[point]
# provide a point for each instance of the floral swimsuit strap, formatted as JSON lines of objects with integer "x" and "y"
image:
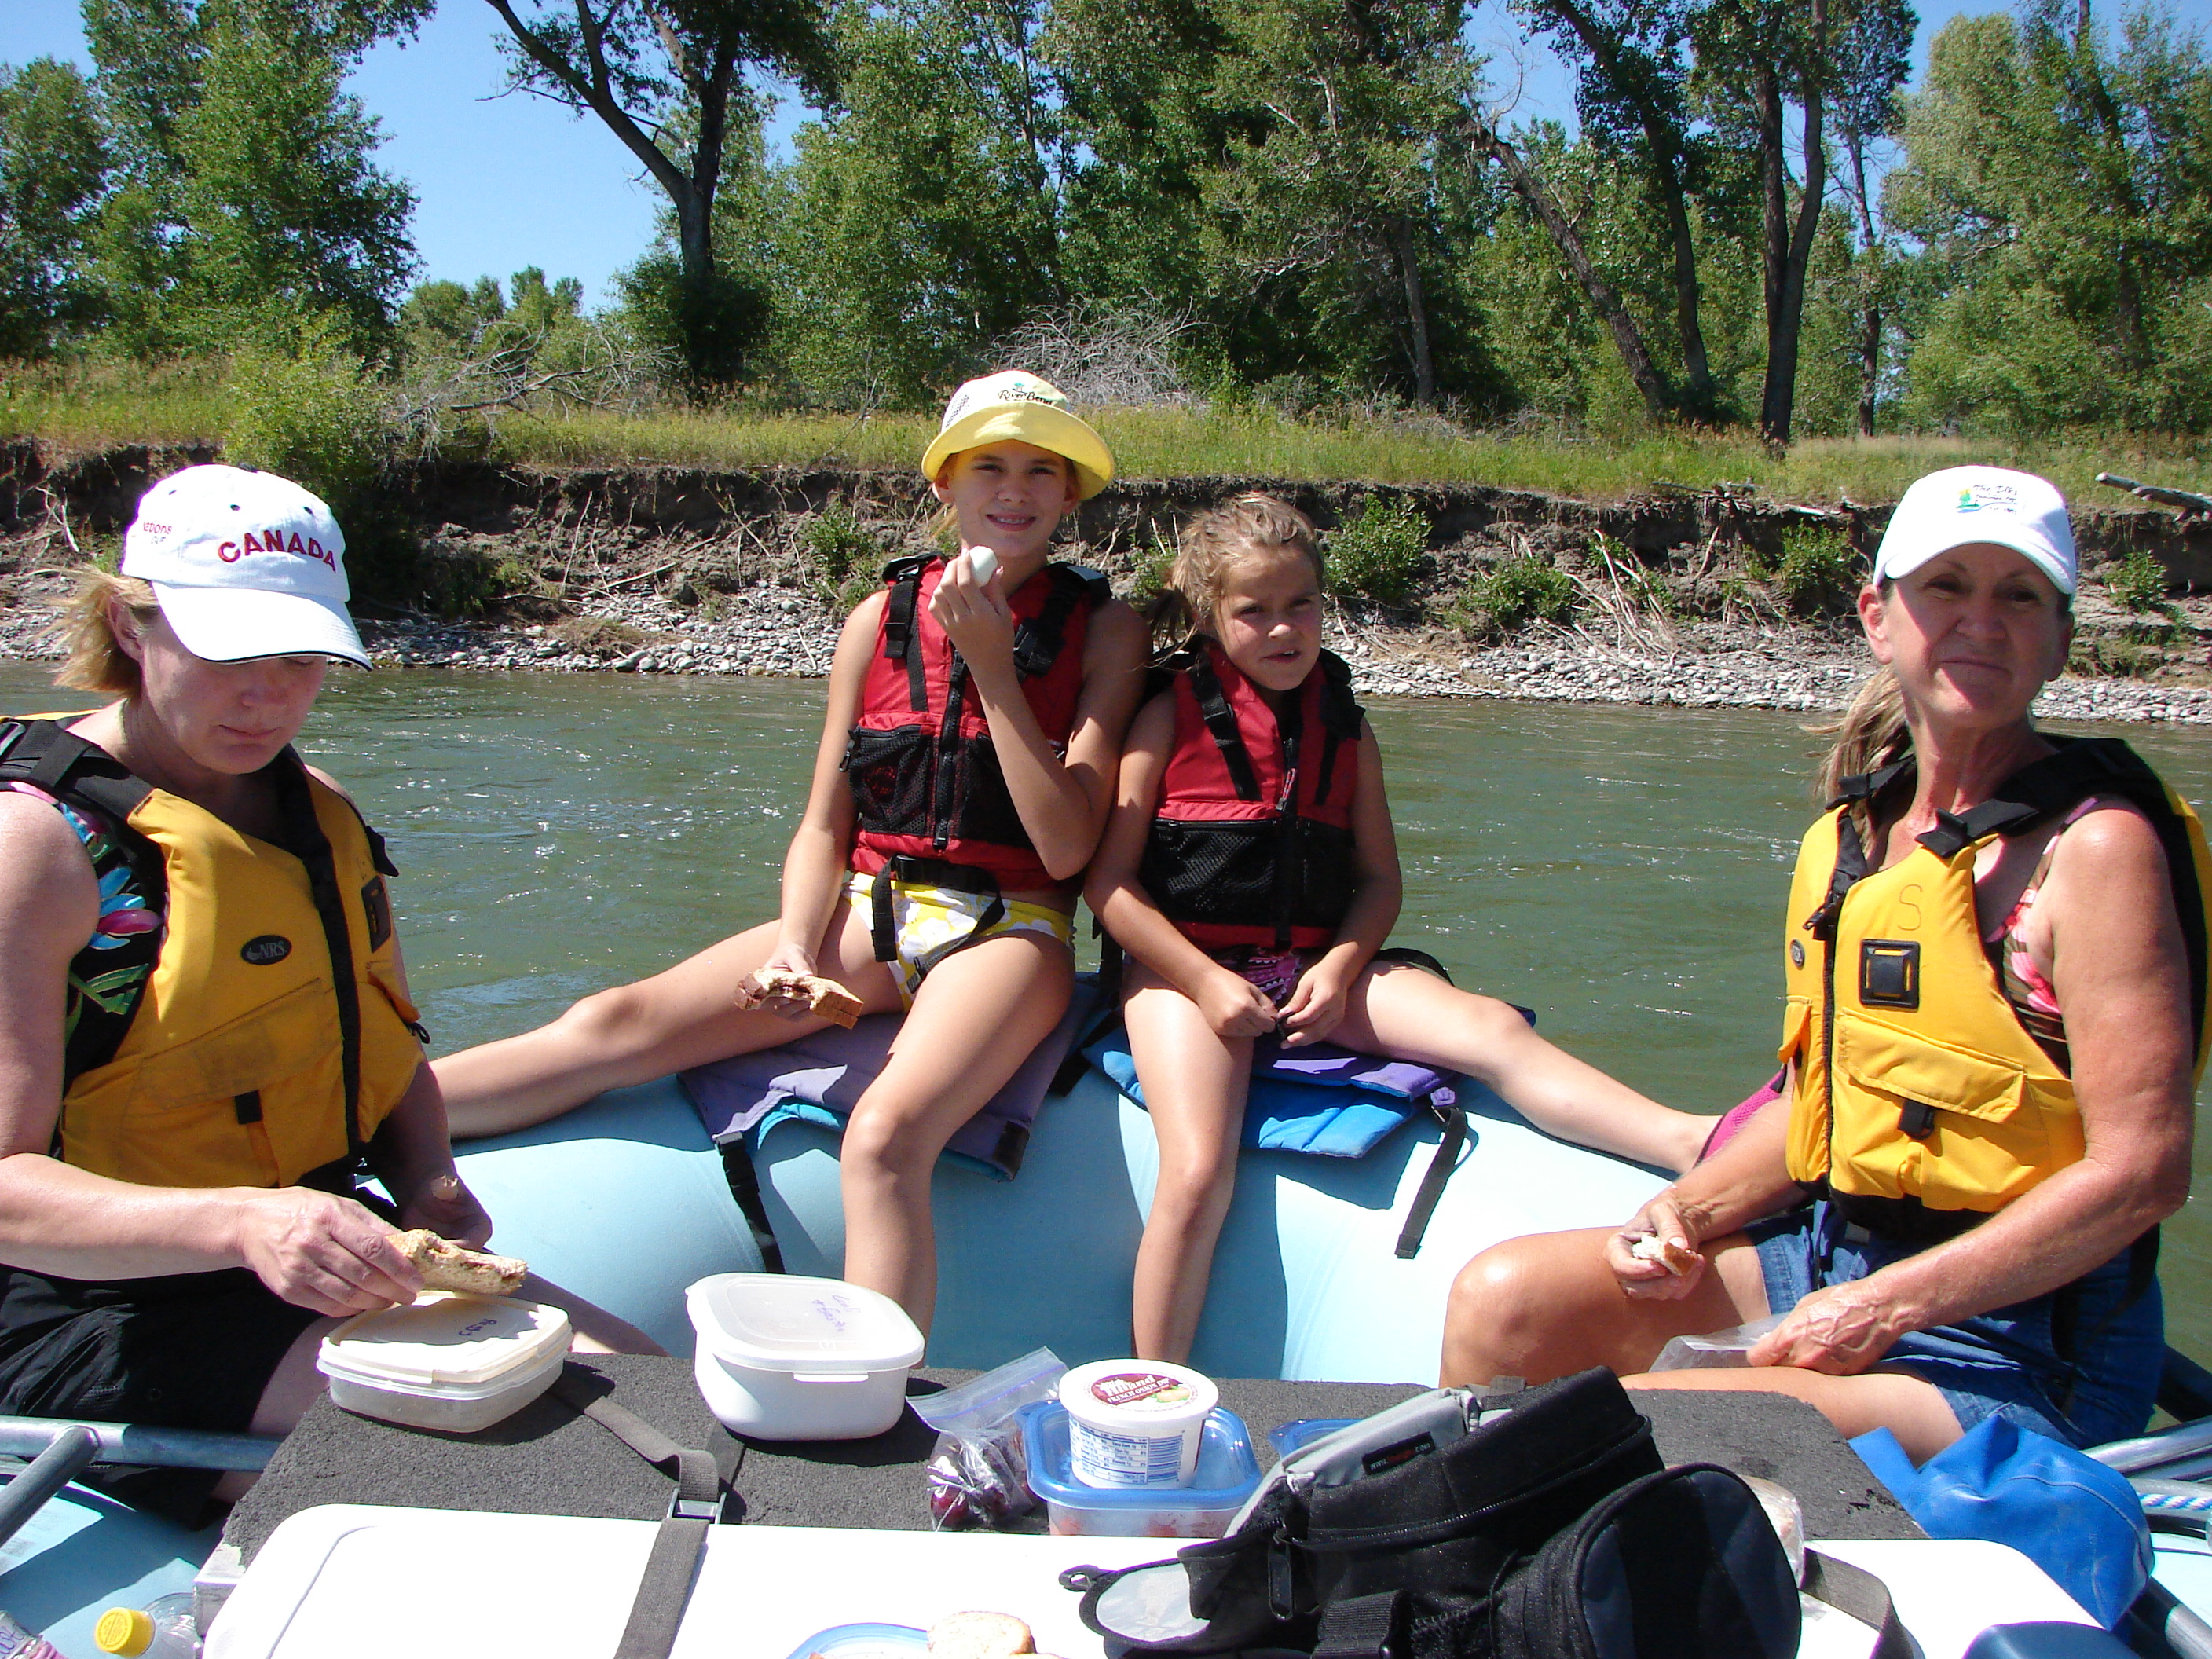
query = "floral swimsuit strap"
{"x": 108, "y": 975}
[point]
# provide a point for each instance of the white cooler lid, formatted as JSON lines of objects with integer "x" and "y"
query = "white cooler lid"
{"x": 461, "y": 1339}
{"x": 780, "y": 1322}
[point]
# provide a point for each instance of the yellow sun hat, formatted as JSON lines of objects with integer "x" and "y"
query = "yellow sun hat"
{"x": 1019, "y": 406}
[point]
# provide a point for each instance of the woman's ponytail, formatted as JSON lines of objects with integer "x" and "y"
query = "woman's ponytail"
{"x": 1871, "y": 734}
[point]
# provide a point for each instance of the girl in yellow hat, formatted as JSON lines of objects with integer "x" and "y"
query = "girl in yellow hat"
{"x": 977, "y": 704}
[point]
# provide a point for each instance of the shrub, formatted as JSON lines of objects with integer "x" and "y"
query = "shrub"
{"x": 1377, "y": 550}
{"x": 1818, "y": 571}
{"x": 1148, "y": 570}
{"x": 314, "y": 416}
{"x": 839, "y": 544}
{"x": 2137, "y": 582}
{"x": 1517, "y": 592}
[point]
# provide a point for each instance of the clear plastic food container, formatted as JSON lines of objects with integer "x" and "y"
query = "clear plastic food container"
{"x": 453, "y": 1362}
{"x": 1226, "y": 1473}
{"x": 785, "y": 1357}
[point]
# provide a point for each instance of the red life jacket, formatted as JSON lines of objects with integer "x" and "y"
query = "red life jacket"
{"x": 1253, "y": 842}
{"x": 923, "y": 771}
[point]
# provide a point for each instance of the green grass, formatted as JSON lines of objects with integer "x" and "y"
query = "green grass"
{"x": 86, "y": 406}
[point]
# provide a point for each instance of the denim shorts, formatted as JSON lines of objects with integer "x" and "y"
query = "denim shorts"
{"x": 2001, "y": 1363}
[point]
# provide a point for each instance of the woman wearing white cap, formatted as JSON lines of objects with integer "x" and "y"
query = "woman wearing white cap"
{"x": 207, "y": 1034}
{"x": 1994, "y": 957}
{"x": 977, "y": 709}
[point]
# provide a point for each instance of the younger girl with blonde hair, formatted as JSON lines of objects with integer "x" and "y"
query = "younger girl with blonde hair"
{"x": 1250, "y": 872}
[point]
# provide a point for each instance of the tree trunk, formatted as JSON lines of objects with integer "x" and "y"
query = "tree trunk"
{"x": 1666, "y": 146}
{"x": 1417, "y": 315}
{"x": 1870, "y": 281}
{"x": 1788, "y": 252}
{"x": 1529, "y": 185}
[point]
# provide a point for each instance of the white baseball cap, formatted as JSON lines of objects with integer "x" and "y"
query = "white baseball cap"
{"x": 245, "y": 564}
{"x": 1013, "y": 405}
{"x": 1966, "y": 504}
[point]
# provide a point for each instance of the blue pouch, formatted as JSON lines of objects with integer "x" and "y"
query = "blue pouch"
{"x": 2079, "y": 1521}
{"x": 1323, "y": 1099}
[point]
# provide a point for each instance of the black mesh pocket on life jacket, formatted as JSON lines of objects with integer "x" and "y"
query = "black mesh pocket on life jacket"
{"x": 987, "y": 811}
{"x": 890, "y": 774}
{"x": 1331, "y": 874}
{"x": 1212, "y": 870}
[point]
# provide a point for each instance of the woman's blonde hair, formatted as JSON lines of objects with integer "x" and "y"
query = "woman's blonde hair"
{"x": 95, "y": 662}
{"x": 1210, "y": 546}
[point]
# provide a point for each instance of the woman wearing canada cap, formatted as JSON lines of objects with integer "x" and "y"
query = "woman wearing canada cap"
{"x": 977, "y": 709}
{"x": 207, "y": 1033}
{"x": 1994, "y": 961}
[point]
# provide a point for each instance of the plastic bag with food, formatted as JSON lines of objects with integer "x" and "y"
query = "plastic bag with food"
{"x": 976, "y": 1475}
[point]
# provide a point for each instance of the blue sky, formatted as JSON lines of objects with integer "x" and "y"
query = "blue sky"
{"x": 504, "y": 182}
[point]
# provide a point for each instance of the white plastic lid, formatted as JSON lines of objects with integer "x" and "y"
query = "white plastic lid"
{"x": 778, "y": 1322}
{"x": 1134, "y": 1394}
{"x": 464, "y": 1341}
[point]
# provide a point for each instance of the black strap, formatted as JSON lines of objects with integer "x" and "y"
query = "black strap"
{"x": 1290, "y": 868}
{"x": 1853, "y": 1590}
{"x": 930, "y": 873}
{"x": 1446, "y": 1159}
{"x": 904, "y": 576}
{"x": 1362, "y": 1627}
{"x": 1221, "y": 720}
{"x": 305, "y": 839}
{"x": 656, "y": 1612}
{"x": 1037, "y": 641}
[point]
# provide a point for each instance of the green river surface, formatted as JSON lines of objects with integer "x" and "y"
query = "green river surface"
{"x": 1620, "y": 869}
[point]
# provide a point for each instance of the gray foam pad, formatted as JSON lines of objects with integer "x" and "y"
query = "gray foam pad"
{"x": 547, "y": 1460}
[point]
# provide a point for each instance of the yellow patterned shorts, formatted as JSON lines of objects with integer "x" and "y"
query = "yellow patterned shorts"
{"x": 931, "y": 923}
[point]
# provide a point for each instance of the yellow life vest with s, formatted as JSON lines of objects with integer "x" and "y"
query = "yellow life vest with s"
{"x": 1917, "y": 1088}
{"x": 270, "y": 1036}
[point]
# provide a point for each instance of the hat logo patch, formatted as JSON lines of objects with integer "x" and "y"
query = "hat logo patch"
{"x": 307, "y": 548}
{"x": 268, "y": 948}
{"x": 159, "y": 532}
{"x": 1999, "y": 497}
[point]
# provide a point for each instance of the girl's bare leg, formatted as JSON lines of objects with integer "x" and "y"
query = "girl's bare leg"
{"x": 974, "y": 1022}
{"x": 686, "y": 1016}
{"x": 1196, "y": 1081}
{"x": 1402, "y": 1010}
{"x": 1547, "y": 1305}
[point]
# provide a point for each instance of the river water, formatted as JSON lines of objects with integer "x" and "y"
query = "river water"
{"x": 1621, "y": 869}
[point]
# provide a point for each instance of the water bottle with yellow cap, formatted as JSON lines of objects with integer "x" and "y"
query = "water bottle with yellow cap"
{"x": 162, "y": 1629}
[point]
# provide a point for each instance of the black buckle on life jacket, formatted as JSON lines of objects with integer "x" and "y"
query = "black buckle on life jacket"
{"x": 1916, "y": 1118}
{"x": 1889, "y": 973}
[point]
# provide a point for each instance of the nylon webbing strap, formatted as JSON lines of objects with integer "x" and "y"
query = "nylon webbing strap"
{"x": 1851, "y": 1590}
{"x": 1221, "y": 720}
{"x": 1432, "y": 1184}
{"x": 1362, "y": 1627}
{"x": 905, "y": 577}
{"x": 656, "y": 1613}
{"x": 313, "y": 848}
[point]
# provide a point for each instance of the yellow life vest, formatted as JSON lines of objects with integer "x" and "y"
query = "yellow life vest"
{"x": 1917, "y": 1088}
{"x": 271, "y": 1036}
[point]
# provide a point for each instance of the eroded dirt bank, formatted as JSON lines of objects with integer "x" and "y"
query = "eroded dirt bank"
{"x": 679, "y": 570}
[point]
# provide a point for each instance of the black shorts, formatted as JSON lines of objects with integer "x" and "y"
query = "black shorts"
{"x": 191, "y": 1352}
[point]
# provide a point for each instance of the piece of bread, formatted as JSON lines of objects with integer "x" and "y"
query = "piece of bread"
{"x": 979, "y": 1636}
{"x": 823, "y": 996}
{"x": 446, "y": 1265}
{"x": 1667, "y": 1254}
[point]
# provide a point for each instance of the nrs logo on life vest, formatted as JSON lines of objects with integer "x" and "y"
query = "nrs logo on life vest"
{"x": 269, "y": 947}
{"x": 274, "y": 542}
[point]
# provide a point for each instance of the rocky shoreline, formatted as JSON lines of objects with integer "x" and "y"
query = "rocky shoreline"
{"x": 774, "y": 632}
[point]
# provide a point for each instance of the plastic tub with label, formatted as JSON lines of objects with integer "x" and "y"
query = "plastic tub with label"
{"x": 1226, "y": 1473}
{"x": 453, "y": 1362}
{"x": 1136, "y": 1422}
{"x": 784, "y": 1358}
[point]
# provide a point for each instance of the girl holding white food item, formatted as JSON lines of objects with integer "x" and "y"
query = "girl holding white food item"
{"x": 977, "y": 706}
{"x": 1250, "y": 872}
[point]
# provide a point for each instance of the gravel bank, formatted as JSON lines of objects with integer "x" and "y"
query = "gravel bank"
{"x": 778, "y": 632}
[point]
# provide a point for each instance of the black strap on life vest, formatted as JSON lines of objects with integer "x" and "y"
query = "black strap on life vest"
{"x": 2045, "y": 788}
{"x": 305, "y": 840}
{"x": 929, "y": 872}
{"x": 1037, "y": 639}
{"x": 1221, "y": 720}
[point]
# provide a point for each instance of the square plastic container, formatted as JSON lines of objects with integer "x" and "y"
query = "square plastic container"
{"x": 1227, "y": 1472}
{"x": 453, "y": 1363}
{"x": 783, "y": 1358}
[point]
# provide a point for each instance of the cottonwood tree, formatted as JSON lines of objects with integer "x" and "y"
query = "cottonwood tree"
{"x": 2062, "y": 182}
{"x": 667, "y": 78}
{"x": 243, "y": 198}
{"x": 53, "y": 166}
